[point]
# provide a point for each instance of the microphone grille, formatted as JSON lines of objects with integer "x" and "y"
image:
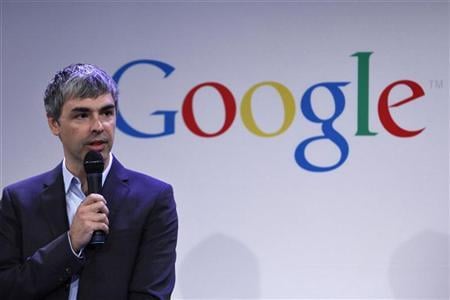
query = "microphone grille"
{"x": 93, "y": 162}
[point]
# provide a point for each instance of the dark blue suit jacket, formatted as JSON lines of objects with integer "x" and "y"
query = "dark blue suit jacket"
{"x": 137, "y": 260}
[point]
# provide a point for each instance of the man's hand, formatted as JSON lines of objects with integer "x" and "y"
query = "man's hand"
{"x": 91, "y": 215}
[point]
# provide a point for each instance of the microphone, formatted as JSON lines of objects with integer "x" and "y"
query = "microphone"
{"x": 93, "y": 166}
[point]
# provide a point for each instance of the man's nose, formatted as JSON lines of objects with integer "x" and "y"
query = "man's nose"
{"x": 97, "y": 125}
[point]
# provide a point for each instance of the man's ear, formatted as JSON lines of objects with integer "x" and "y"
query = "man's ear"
{"x": 53, "y": 123}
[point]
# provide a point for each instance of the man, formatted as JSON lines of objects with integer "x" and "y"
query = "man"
{"x": 47, "y": 221}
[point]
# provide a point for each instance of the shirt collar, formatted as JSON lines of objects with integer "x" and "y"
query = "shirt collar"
{"x": 68, "y": 177}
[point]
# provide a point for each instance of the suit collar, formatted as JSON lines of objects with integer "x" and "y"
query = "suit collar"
{"x": 116, "y": 189}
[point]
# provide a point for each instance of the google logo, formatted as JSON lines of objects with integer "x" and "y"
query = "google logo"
{"x": 289, "y": 107}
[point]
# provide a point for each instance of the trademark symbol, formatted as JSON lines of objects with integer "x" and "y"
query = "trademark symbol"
{"x": 436, "y": 84}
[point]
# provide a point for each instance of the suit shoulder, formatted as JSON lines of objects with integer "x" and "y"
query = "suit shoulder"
{"x": 34, "y": 183}
{"x": 147, "y": 180}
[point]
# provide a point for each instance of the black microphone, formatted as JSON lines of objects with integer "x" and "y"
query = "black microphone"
{"x": 93, "y": 165}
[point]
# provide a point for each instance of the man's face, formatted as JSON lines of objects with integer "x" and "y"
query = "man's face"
{"x": 84, "y": 125}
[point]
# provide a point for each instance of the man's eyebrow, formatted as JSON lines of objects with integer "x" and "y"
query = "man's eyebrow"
{"x": 80, "y": 109}
{"x": 108, "y": 107}
{"x": 85, "y": 109}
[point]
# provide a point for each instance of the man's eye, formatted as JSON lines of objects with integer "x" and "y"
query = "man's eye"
{"x": 109, "y": 113}
{"x": 81, "y": 116}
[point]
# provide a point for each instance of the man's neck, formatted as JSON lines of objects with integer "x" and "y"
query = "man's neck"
{"x": 77, "y": 170}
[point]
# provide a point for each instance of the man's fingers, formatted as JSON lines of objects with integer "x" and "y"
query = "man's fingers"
{"x": 99, "y": 217}
{"x": 93, "y": 206}
{"x": 86, "y": 217}
{"x": 98, "y": 207}
{"x": 93, "y": 198}
{"x": 96, "y": 226}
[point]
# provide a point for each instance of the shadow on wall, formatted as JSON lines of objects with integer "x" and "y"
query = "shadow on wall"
{"x": 419, "y": 267}
{"x": 219, "y": 267}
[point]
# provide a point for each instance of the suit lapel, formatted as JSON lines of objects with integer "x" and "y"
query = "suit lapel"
{"x": 115, "y": 189}
{"x": 53, "y": 202}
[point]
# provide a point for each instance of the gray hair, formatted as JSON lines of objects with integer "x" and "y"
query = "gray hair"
{"x": 77, "y": 81}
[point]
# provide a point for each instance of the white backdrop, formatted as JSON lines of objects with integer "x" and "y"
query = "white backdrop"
{"x": 253, "y": 223}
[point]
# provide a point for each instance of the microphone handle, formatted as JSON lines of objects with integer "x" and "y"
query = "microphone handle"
{"x": 94, "y": 186}
{"x": 94, "y": 181}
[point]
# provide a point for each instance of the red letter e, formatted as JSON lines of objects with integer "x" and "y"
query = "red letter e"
{"x": 383, "y": 108}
